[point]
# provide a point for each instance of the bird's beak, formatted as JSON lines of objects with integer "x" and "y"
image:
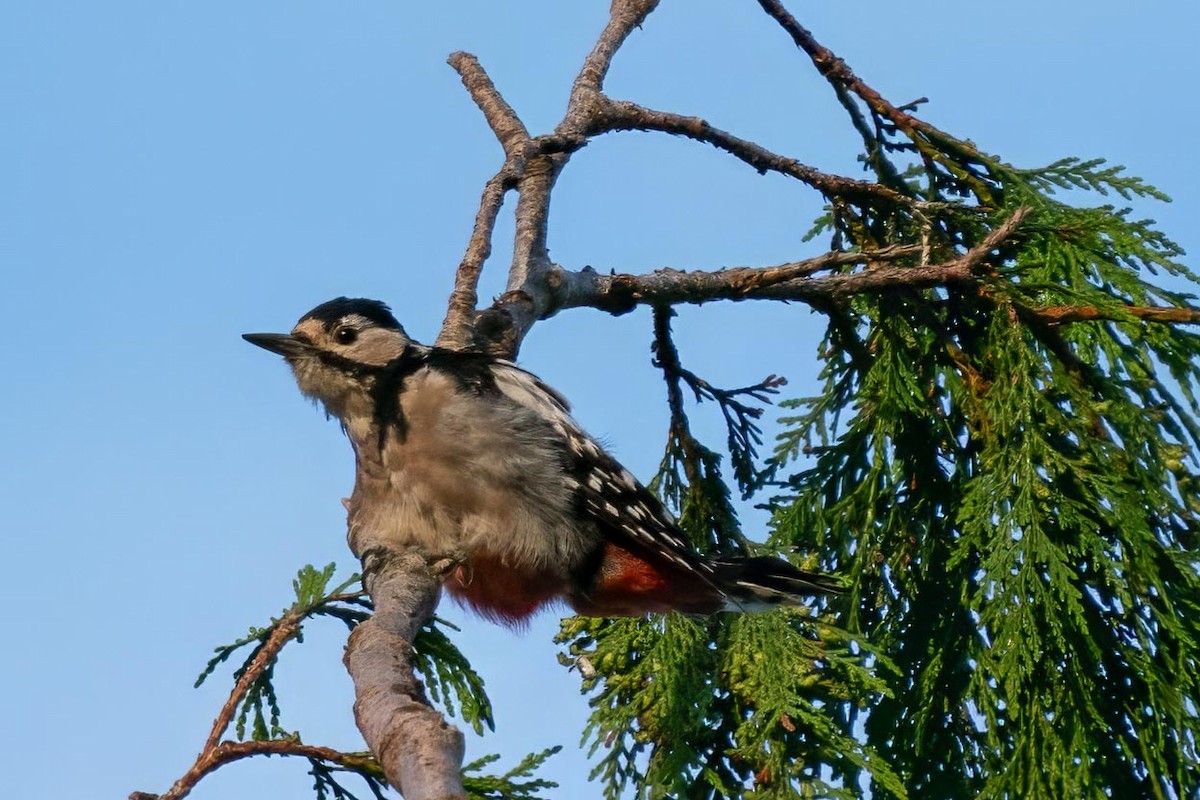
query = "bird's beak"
{"x": 284, "y": 344}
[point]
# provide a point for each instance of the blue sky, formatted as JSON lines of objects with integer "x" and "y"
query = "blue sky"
{"x": 177, "y": 173}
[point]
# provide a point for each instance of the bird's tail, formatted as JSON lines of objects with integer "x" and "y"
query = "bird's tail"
{"x": 765, "y": 582}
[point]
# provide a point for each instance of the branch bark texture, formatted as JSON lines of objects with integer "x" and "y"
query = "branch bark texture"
{"x": 794, "y": 281}
{"x": 420, "y": 752}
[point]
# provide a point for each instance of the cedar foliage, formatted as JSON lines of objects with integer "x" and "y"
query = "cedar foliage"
{"x": 448, "y": 677}
{"x": 1013, "y": 500}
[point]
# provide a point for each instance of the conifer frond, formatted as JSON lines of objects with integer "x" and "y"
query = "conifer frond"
{"x": 1015, "y": 500}
{"x": 449, "y": 677}
{"x": 516, "y": 784}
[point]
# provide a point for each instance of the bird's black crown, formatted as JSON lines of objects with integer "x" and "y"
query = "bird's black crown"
{"x": 331, "y": 312}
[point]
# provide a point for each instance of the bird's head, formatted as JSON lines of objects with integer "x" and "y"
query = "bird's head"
{"x": 336, "y": 349}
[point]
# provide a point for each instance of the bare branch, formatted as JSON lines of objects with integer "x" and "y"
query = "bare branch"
{"x": 619, "y": 293}
{"x": 623, "y": 17}
{"x": 527, "y": 292}
{"x": 837, "y": 71}
{"x": 531, "y": 166}
{"x": 842, "y": 78}
{"x": 458, "y": 328}
{"x": 500, "y": 116}
{"x": 622, "y": 115}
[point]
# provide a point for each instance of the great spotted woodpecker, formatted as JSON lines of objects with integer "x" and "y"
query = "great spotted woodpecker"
{"x": 472, "y": 459}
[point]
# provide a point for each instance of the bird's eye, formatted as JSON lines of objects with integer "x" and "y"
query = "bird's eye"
{"x": 345, "y": 335}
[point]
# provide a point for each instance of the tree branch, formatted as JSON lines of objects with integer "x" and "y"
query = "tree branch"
{"x": 1057, "y": 315}
{"x": 527, "y": 296}
{"x": 622, "y": 115}
{"x": 843, "y": 79}
{"x": 458, "y": 328}
{"x": 536, "y": 286}
{"x": 419, "y": 751}
{"x": 228, "y": 752}
{"x": 501, "y": 118}
{"x": 216, "y": 753}
{"x": 619, "y": 293}
{"x": 285, "y": 630}
{"x": 837, "y": 71}
{"x": 623, "y": 17}
{"x": 531, "y": 166}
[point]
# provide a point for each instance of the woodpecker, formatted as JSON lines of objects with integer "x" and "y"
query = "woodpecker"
{"x": 471, "y": 458}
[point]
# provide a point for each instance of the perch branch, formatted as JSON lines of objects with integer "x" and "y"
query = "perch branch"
{"x": 419, "y": 751}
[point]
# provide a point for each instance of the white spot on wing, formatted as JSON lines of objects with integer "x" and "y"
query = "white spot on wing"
{"x": 610, "y": 492}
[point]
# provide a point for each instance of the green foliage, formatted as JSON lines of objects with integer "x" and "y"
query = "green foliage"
{"x": 1013, "y": 498}
{"x": 327, "y": 786}
{"x": 1004, "y": 467}
{"x": 260, "y": 705}
{"x": 516, "y": 784}
{"x": 447, "y": 675}
{"x": 730, "y": 706}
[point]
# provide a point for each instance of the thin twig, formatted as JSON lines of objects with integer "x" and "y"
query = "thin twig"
{"x": 840, "y": 76}
{"x": 284, "y": 631}
{"x": 837, "y": 71}
{"x": 215, "y": 752}
{"x": 679, "y": 436}
{"x": 227, "y": 752}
